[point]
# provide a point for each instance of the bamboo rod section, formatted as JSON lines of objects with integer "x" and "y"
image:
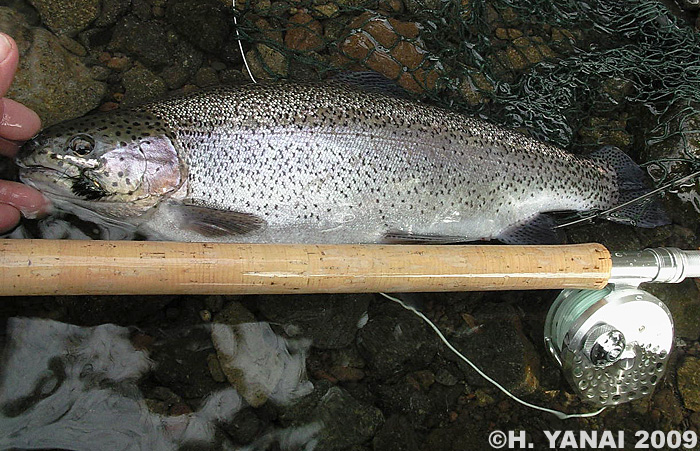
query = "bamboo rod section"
{"x": 42, "y": 267}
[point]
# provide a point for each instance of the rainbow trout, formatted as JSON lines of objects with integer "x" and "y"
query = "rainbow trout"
{"x": 317, "y": 163}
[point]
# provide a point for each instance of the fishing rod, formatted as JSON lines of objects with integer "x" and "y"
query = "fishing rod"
{"x": 611, "y": 339}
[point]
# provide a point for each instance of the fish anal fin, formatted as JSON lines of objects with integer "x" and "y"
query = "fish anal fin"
{"x": 538, "y": 229}
{"x": 403, "y": 237}
{"x": 214, "y": 223}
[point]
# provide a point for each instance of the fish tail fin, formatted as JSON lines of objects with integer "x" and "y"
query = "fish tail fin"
{"x": 645, "y": 212}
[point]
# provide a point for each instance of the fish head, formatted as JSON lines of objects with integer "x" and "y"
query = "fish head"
{"x": 116, "y": 164}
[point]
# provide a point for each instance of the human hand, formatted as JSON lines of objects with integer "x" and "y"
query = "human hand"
{"x": 17, "y": 123}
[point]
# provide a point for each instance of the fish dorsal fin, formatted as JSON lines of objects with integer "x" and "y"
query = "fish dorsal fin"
{"x": 371, "y": 82}
{"x": 214, "y": 223}
{"x": 538, "y": 229}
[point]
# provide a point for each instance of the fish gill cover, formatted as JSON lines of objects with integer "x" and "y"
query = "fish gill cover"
{"x": 579, "y": 74}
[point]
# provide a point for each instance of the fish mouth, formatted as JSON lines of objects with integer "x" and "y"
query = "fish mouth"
{"x": 52, "y": 182}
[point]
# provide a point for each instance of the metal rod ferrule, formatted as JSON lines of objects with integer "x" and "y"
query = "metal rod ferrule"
{"x": 661, "y": 265}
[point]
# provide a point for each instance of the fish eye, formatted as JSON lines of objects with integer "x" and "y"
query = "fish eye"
{"x": 82, "y": 144}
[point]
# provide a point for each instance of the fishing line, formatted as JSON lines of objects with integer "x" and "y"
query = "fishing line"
{"x": 240, "y": 45}
{"x": 558, "y": 414}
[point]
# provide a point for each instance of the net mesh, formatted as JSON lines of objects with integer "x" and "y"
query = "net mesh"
{"x": 579, "y": 74}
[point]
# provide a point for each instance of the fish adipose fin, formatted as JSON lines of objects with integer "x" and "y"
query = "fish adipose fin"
{"x": 537, "y": 230}
{"x": 630, "y": 178}
{"x": 215, "y": 223}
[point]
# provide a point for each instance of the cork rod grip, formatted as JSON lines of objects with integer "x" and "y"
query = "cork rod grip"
{"x": 42, "y": 267}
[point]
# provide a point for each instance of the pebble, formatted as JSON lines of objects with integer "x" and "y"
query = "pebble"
{"x": 304, "y": 33}
{"x": 50, "y": 80}
{"x": 67, "y": 17}
{"x": 688, "y": 379}
{"x": 119, "y": 63}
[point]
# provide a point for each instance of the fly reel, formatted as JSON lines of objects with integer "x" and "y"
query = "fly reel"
{"x": 613, "y": 345}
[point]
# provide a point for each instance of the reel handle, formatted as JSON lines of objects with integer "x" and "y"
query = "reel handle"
{"x": 66, "y": 267}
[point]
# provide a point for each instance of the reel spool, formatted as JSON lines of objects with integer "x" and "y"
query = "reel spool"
{"x": 613, "y": 344}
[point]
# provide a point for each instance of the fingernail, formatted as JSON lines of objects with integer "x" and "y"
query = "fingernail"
{"x": 5, "y": 47}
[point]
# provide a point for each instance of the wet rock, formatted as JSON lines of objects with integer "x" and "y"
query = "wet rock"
{"x": 111, "y": 11}
{"x": 613, "y": 236}
{"x": 459, "y": 437}
{"x": 245, "y": 427}
{"x": 202, "y": 22}
{"x": 395, "y": 339}
{"x": 302, "y": 409}
{"x": 688, "y": 379}
{"x": 258, "y": 363}
{"x": 100, "y": 73}
{"x": 234, "y": 313}
{"x": 417, "y": 6}
{"x": 64, "y": 17}
{"x": 304, "y": 33}
{"x": 141, "y": 8}
{"x": 667, "y": 405}
{"x": 500, "y": 349}
{"x": 230, "y": 51}
{"x": 122, "y": 310}
{"x": 267, "y": 63}
{"x": 532, "y": 50}
{"x": 390, "y": 47}
{"x": 445, "y": 377}
{"x": 206, "y": 76}
{"x": 146, "y": 41}
{"x": 326, "y": 10}
{"x": 182, "y": 364}
{"x": 405, "y": 397}
{"x": 95, "y": 38}
{"x": 396, "y": 434}
{"x": 72, "y": 45}
{"x": 119, "y": 63}
{"x": 157, "y": 48}
{"x": 346, "y": 422}
{"x": 330, "y": 321}
{"x": 142, "y": 85}
{"x": 473, "y": 86}
{"x": 232, "y": 77}
{"x": 603, "y": 130}
{"x": 50, "y": 80}
{"x": 683, "y": 300}
{"x": 215, "y": 368}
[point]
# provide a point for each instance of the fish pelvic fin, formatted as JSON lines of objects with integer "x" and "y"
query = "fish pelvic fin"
{"x": 636, "y": 208}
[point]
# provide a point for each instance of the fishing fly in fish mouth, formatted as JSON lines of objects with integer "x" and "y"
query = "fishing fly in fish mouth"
{"x": 319, "y": 163}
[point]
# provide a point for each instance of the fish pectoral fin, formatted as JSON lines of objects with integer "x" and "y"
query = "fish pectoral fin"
{"x": 402, "y": 237}
{"x": 214, "y": 223}
{"x": 538, "y": 229}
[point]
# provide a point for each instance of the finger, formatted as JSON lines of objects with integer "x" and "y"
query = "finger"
{"x": 9, "y": 56}
{"x": 9, "y": 217}
{"x": 24, "y": 198}
{"x": 18, "y": 122}
{"x": 9, "y": 148}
